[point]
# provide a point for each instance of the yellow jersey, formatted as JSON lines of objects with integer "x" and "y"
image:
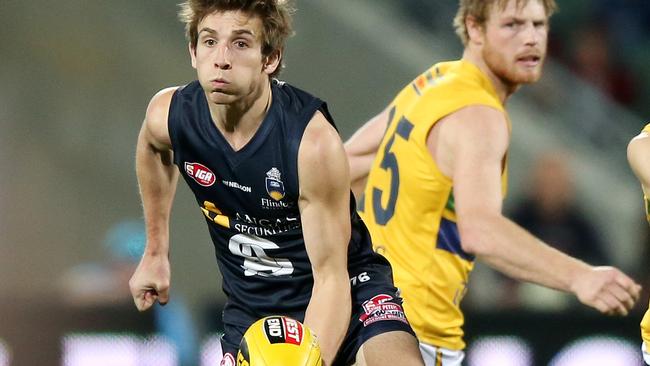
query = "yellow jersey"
{"x": 408, "y": 203}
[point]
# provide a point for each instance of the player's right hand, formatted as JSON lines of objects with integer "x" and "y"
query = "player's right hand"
{"x": 607, "y": 289}
{"x": 150, "y": 281}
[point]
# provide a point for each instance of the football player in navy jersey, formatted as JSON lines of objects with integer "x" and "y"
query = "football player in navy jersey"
{"x": 269, "y": 172}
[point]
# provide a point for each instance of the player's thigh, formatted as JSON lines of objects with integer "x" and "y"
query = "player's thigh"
{"x": 395, "y": 348}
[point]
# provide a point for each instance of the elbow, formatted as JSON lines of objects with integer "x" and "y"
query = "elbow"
{"x": 474, "y": 236}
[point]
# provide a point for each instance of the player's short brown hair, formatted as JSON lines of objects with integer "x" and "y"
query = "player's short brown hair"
{"x": 275, "y": 16}
{"x": 479, "y": 9}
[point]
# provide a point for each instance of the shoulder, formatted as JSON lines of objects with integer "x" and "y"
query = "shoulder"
{"x": 475, "y": 132}
{"x": 320, "y": 139}
{"x": 639, "y": 147}
{"x": 293, "y": 98}
{"x": 321, "y": 157}
{"x": 158, "y": 107}
{"x": 640, "y": 142}
{"x": 155, "y": 122}
{"x": 481, "y": 120}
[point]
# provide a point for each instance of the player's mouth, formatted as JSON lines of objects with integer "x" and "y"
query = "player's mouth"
{"x": 532, "y": 60}
{"x": 219, "y": 83}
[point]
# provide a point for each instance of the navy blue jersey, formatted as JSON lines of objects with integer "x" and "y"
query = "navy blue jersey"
{"x": 250, "y": 201}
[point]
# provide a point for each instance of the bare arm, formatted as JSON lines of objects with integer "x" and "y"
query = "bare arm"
{"x": 638, "y": 155}
{"x": 477, "y": 139}
{"x": 157, "y": 180}
{"x": 361, "y": 149}
{"x": 324, "y": 208}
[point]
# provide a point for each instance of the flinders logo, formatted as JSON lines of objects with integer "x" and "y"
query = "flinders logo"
{"x": 274, "y": 185}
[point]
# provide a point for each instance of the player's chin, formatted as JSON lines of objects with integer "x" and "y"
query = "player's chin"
{"x": 528, "y": 76}
{"x": 221, "y": 97}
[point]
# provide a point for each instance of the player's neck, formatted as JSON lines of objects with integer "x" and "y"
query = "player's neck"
{"x": 502, "y": 88}
{"x": 239, "y": 121}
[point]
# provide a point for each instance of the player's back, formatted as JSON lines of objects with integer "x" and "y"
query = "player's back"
{"x": 408, "y": 202}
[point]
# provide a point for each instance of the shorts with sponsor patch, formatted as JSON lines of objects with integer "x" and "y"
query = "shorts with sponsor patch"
{"x": 376, "y": 309}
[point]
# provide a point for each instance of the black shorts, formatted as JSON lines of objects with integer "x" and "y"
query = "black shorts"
{"x": 376, "y": 309}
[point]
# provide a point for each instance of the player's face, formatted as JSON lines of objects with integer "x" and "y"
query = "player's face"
{"x": 228, "y": 56}
{"x": 515, "y": 42}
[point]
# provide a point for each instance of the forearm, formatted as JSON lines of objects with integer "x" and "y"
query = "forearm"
{"x": 157, "y": 180}
{"x": 328, "y": 313}
{"x": 360, "y": 166}
{"x": 508, "y": 248}
{"x": 362, "y": 147}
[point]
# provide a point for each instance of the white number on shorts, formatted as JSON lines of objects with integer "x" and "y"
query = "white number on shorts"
{"x": 361, "y": 278}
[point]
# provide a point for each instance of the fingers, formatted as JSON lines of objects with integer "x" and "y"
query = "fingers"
{"x": 611, "y": 291}
{"x": 613, "y": 306}
{"x": 148, "y": 297}
{"x": 626, "y": 296}
{"x": 617, "y": 296}
{"x": 602, "y": 306}
{"x": 145, "y": 299}
{"x": 633, "y": 288}
{"x": 163, "y": 296}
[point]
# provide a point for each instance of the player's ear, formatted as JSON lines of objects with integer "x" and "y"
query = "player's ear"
{"x": 475, "y": 30}
{"x": 272, "y": 61}
{"x": 192, "y": 50}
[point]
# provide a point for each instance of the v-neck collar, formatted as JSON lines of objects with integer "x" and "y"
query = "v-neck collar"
{"x": 235, "y": 157}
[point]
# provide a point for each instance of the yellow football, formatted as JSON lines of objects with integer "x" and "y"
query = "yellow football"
{"x": 279, "y": 341}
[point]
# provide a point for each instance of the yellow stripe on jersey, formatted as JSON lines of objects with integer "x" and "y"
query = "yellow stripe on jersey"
{"x": 646, "y": 128}
{"x": 409, "y": 206}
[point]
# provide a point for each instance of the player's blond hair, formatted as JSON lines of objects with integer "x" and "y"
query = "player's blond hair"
{"x": 274, "y": 14}
{"x": 480, "y": 9}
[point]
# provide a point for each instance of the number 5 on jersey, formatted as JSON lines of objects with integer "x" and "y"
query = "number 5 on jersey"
{"x": 389, "y": 163}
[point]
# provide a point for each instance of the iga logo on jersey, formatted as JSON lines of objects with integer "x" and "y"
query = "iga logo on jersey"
{"x": 200, "y": 173}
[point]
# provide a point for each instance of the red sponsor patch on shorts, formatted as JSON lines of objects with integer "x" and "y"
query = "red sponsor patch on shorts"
{"x": 381, "y": 307}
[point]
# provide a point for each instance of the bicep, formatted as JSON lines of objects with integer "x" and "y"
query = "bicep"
{"x": 479, "y": 141}
{"x": 324, "y": 195}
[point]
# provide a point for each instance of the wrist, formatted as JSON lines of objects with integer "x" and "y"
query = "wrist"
{"x": 575, "y": 276}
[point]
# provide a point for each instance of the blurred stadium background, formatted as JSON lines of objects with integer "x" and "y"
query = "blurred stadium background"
{"x": 76, "y": 76}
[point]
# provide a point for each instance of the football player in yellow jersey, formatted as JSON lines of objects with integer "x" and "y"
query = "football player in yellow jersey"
{"x": 435, "y": 162}
{"x": 638, "y": 154}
